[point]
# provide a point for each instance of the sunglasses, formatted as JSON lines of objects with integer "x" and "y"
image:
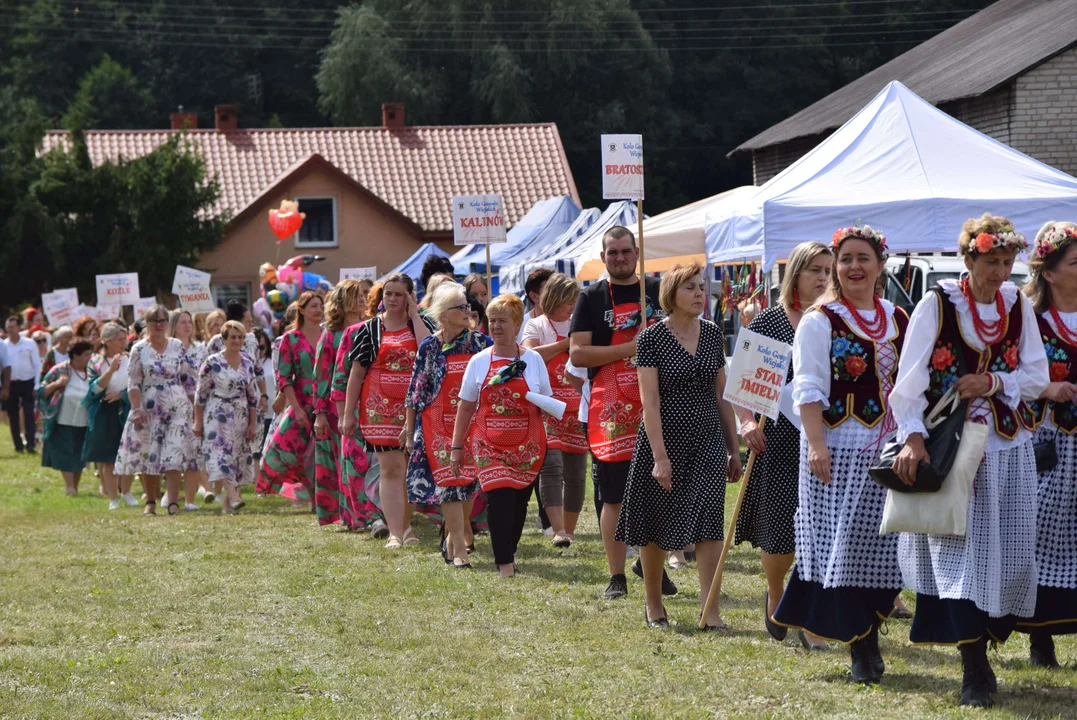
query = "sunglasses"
{"x": 41, "y": 341}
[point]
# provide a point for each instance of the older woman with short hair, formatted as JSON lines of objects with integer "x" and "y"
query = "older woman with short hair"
{"x": 108, "y": 405}
{"x": 60, "y": 399}
{"x": 86, "y": 328}
{"x": 508, "y": 439}
{"x": 61, "y": 339}
{"x": 980, "y": 337}
{"x": 687, "y": 448}
{"x": 563, "y": 478}
{"x": 431, "y": 402}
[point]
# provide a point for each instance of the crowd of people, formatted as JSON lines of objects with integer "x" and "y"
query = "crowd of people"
{"x": 370, "y": 406}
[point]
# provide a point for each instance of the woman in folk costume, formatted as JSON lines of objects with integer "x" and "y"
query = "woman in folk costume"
{"x": 1053, "y": 292}
{"x": 343, "y": 309}
{"x": 845, "y": 359}
{"x": 770, "y": 502}
{"x": 433, "y": 397}
{"x": 225, "y": 415}
{"x": 972, "y": 588}
{"x": 283, "y": 459}
{"x": 380, "y": 365}
{"x": 563, "y": 479}
{"x": 508, "y": 438}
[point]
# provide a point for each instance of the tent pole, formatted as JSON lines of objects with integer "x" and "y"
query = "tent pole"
{"x": 489, "y": 286}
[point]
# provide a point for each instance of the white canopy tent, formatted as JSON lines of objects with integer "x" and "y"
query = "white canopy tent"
{"x": 900, "y": 165}
{"x": 513, "y": 275}
{"x": 565, "y": 257}
{"x": 675, "y": 236}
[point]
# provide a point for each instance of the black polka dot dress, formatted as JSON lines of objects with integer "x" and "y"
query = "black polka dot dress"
{"x": 693, "y": 511}
{"x": 770, "y": 502}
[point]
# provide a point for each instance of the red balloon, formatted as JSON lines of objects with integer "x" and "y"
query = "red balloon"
{"x": 285, "y": 224}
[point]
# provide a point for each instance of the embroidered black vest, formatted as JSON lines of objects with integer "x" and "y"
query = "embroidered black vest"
{"x": 855, "y": 387}
{"x": 1062, "y": 364}
{"x": 1003, "y": 356}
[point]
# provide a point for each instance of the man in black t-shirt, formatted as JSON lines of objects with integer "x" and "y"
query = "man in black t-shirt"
{"x": 598, "y": 343}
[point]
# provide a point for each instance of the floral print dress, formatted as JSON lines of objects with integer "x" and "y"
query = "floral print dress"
{"x": 330, "y": 502}
{"x": 226, "y": 394}
{"x": 196, "y": 355}
{"x": 361, "y": 511}
{"x": 283, "y": 460}
{"x": 166, "y": 382}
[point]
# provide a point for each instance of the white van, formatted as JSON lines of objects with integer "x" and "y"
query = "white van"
{"x": 926, "y": 271}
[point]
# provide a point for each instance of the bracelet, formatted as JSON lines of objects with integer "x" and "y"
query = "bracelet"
{"x": 456, "y": 447}
{"x": 991, "y": 387}
{"x": 264, "y": 396}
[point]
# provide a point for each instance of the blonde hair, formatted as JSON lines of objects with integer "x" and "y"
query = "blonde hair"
{"x": 235, "y": 325}
{"x": 1038, "y": 289}
{"x": 510, "y": 304}
{"x": 799, "y": 260}
{"x": 557, "y": 291}
{"x": 173, "y": 321}
{"x": 671, "y": 282}
{"x": 213, "y": 317}
{"x": 986, "y": 223}
{"x": 348, "y": 294}
{"x": 446, "y": 296}
{"x": 199, "y": 320}
{"x": 431, "y": 287}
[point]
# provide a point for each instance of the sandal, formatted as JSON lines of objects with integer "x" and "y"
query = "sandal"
{"x": 173, "y": 505}
{"x": 394, "y": 543}
{"x": 562, "y": 540}
{"x": 410, "y": 538}
{"x": 150, "y": 509}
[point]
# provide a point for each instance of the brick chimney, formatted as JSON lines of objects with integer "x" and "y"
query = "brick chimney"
{"x": 392, "y": 115}
{"x": 181, "y": 120}
{"x": 226, "y": 117}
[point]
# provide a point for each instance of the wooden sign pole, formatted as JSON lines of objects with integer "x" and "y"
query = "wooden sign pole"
{"x": 489, "y": 286}
{"x": 642, "y": 270}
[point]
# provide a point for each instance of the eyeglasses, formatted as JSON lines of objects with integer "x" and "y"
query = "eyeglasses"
{"x": 157, "y": 321}
{"x": 465, "y": 307}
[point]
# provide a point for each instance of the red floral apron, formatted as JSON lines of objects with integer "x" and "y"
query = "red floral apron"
{"x": 567, "y": 433}
{"x": 616, "y": 409}
{"x": 439, "y": 419}
{"x": 385, "y": 388}
{"x": 507, "y": 437}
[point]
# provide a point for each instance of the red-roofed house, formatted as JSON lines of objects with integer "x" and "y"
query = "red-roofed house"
{"x": 372, "y": 195}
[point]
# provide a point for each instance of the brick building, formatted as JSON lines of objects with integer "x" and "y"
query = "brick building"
{"x": 1010, "y": 71}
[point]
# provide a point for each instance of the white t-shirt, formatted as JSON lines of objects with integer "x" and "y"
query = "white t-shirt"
{"x": 71, "y": 410}
{"x": 545, "y": 330}
{"x": 271, "y": 386}
{"x": 118, "y": 381}
{"x": 528, "y": 317}
{"x": 535, "y": 374}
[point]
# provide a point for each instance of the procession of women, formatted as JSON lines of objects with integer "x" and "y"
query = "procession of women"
{"x": 369, "y": 404}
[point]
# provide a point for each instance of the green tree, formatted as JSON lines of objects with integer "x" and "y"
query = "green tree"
{"x": 110, "y": 97}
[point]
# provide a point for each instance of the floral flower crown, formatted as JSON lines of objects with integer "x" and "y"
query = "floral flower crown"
{"x": 1054, "y": 240}
{"x": 861, "y": 232}
{"x": 1006, "y": 238}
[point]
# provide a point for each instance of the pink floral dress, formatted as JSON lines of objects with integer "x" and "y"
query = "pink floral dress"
{"x": 226, "y": 394}
{"x": 283, "y": 459}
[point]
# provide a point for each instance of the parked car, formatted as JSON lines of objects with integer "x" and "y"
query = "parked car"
{"x": 926, "y": 271}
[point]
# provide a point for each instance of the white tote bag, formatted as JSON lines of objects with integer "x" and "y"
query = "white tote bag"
{"x": 944, "y": 512}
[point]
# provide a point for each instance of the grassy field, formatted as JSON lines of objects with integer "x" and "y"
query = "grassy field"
{"x": 264, "y": 615}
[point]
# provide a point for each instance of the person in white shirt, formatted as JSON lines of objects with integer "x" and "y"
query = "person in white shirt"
{"x": 24, "y": 368}
{"x": 62, "y": 392}
{"x": 533, "y": 286}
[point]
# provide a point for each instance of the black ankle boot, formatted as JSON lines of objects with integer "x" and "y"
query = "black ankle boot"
{"x": 1042, "y": 653}
{"x": 976, "y": 684}
{"x": 863, "y": 662}
{"x": 872, "y": 644}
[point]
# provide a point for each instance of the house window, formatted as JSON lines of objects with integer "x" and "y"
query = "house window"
{"x": 320, "y": 226}
{"x": 222, "y": 294}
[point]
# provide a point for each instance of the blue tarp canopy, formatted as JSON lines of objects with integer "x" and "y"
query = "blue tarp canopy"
{"x": 513, "y": 275}
{"x": 413, "y": 266}
{"x": 565, "y": 255}
{"x": 543, "y": 223}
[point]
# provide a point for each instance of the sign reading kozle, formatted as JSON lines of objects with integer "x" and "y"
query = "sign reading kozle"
{"x": 117, "y": 289}
{"x": 478, "y": 219}
{"x": 622, "y": 167}
{"x": 757, "y": 374}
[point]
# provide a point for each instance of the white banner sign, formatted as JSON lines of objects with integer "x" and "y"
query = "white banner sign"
{"x": 59, "y": 306}
{"x": 195, "y": 296}
{"x": 143, "y": 304}
{"x": 186, "y": 273}
{"x": 756, "y": 378}
{"x": 104, "y": 313}
{"x": 478, "y": 219}
{"x": 622, "y": 167}
{"x": 363, "y": 273}
{"x": 118, "y": 289}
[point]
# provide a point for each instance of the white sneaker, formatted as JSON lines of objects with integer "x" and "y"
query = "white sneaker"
{"x": 548, "y": 532}
{"x": 379, "y": 530}
{"x": 129, "y": 499}
{"x": 114, "y": 504}
{"x": 190, "y": 508}
{"x": 201, "y": 491}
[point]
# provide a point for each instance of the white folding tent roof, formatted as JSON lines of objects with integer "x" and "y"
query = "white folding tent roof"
{"x": 675, "y": 236}
{"x": 902, "y": 166}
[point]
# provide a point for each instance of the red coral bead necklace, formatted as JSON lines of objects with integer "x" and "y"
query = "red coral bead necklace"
{"x": 1067, "y": 334}
{"x": 876, "y": 329}
{"x": 989, "y": 332}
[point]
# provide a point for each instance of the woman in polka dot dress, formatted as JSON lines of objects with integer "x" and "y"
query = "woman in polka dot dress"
{"x": 770, "y": 501}
{"x": 845, "y": 358}
{"x": 687, "y": 448}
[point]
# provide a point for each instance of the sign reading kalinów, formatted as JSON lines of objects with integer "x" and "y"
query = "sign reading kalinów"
{"x": 478, "y": 219}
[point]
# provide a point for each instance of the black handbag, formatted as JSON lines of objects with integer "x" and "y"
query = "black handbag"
{"x": 941, "y": 444}
{"x": 1046, "y": 455}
